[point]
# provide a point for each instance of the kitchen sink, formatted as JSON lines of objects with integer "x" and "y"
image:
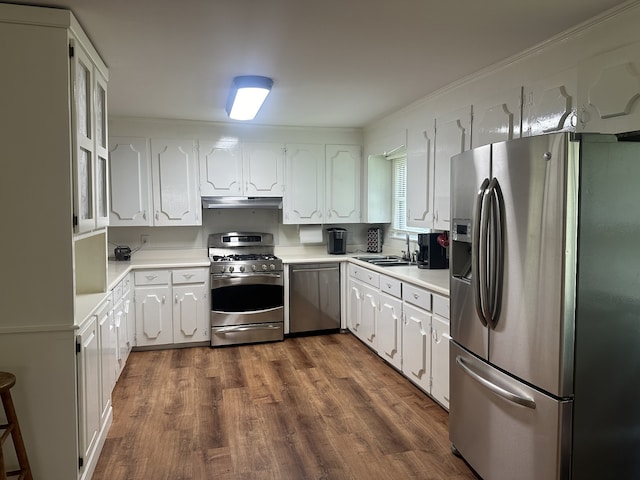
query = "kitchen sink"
{"x": 384, "y": 260}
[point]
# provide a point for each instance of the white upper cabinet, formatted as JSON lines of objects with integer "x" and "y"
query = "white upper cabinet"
{"x": 263, "y": 169}
{"x": 228, "y": 168}
{"x": 220, "y": 168}
{"x": 176, "y": 196}
{"x": 322, "y": 184}
{"x": 129, "y": 174}
{"x": 609, "y": 91}
{"x": 420, "y": 152}
{"x": 342, "y": 193}
{"x": 303, "y": 200}
{"x": 453, "y": 136}
{"x": 549, "y": 105}
{"x": 90, "y": 149}
{"x": 498, "y": 118}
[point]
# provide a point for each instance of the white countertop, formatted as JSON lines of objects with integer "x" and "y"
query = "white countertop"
{"x": 434, "y": 280}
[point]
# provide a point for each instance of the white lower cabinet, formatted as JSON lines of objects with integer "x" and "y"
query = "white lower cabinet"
{"x": 108, "y": 365}
{"x": 406, "y": 325}
{"x": 171, "y": 306}
{"x": 416, "y": 346}
{"x": 123, "y": 320}
{"x": 89, "y": 398}
{"x": 389, "y": 333}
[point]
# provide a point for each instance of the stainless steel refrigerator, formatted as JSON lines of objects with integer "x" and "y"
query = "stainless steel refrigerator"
{"x": 545, "y": 308}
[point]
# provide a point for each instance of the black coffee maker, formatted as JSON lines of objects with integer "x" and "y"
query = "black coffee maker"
{"x": 431, "y": 253}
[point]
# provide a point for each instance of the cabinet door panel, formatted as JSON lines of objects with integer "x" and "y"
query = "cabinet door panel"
{"x": 190, "y": 313}
{"x": 304, "y": 194}
{"x": 453, "y": 133}
{"x": 390, "y": 330}
{"x": 129, "y": 165}
{"x": 498, "y": 118}
{"x": 609, "y": 91}
{"x": 220, "y": 168}
{"x": 440, "y": 360}
{"x": 420, "y": 151}
{"x": 416, "y": 346}
{"x": 342, "y": 199}
{"x": 263, "y": 169}
{"x": 550, "y": 104}
{"x": 153, "y": 316}
{"x": 175, "y": 183}
{"x": 370, "y": 310}
{"x": 354, "y": 307}
{"x": 89, "y": 386}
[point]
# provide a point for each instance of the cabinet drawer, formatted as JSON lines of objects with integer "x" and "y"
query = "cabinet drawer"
{"x": 391, "y": 285}
{"x": 189, "y": 275}
{"x": 367, "y": 276}
{"x": 152, "y": 277}
{"x": 441, "y": 306}
{"x": 416, "y": 296}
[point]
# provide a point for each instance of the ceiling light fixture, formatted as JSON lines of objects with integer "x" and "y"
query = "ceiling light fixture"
{"x": 248, "y": 92}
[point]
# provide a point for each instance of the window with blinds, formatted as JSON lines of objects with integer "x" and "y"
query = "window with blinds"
{"x": 399, "y": 220}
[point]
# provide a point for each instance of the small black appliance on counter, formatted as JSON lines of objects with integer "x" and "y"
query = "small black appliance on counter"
{"x": 122, "y": 252}
{"x": 336, "y": 241}
{"x": 431, "y": 254}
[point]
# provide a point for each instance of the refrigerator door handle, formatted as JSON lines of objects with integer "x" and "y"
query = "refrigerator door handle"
{"x": 495, "y": 252}
{"x": 476, "y": 274}
{"x": 498, "y": 390}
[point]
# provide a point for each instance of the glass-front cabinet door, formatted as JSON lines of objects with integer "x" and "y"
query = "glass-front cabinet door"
{"x": 89, "y": 120}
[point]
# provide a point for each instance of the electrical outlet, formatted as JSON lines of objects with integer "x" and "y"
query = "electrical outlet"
{"x": 144, "y": 240}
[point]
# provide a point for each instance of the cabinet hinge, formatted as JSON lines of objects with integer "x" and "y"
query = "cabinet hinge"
{"x": 75, "y": 220}
{"x": 78, "y": 347}
{"x": 80, "y": 462}
{"x": 71, "y": 51}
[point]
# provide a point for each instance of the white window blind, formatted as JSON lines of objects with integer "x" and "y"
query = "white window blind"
{"x": 400, "y": 193}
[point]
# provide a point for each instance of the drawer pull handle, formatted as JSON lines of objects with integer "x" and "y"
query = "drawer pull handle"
{"x": 151, "y": 277}
{"x": 187, "y": 275}
{"x": 416, "y": 296}
{"x": 388, "y": 285}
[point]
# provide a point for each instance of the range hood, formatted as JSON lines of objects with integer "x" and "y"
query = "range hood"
{"x": 242, "y": 202}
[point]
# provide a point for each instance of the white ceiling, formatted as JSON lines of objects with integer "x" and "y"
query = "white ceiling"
{"x": 336, "y": 63}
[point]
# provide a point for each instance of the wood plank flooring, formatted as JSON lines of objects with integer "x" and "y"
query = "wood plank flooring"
{"x": 318, "y": 407}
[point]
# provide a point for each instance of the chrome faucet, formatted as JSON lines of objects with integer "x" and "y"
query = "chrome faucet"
{"x": 406, "y": 254}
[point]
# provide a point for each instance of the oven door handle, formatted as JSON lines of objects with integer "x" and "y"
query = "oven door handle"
{"x": 246, "y": 328}
{"x": 246, "y": 275}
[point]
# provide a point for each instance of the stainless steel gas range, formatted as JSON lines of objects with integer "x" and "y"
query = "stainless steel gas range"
{"x": 247, "y": 289}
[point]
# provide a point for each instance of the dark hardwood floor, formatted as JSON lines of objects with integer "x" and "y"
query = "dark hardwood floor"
{"x": 319, "y": 407}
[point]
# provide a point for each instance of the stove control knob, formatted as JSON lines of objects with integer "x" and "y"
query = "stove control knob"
{"x": 253, "y": 268}
{"x": 264, "y": 266}
{"x": 222, "y": 269}
{"x": 242, "y": 268}
{"x": 230, "y": 269}
{"x": 272, "y": 266}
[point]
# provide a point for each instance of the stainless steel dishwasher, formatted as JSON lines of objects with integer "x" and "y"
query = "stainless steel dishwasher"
{"x": 314, "y": 297}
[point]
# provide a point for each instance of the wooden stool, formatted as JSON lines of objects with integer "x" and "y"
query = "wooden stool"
{"x": 8, "y": 380}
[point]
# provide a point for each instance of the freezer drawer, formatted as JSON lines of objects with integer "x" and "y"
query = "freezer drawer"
{"x": 525, "y": 437}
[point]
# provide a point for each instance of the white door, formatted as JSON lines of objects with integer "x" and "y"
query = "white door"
{"x": 176, "y": 196}
{"x": 190, "y": 313}
{"x": 100, "y": 149}
{"x": 453, "y": 136}
{"x": 416, "y": 346}
{"x": 549, "y": 104}
{"x": 497, "y": 118}
{"x": 89, "y": 410}
{"x": 154, "y": 324}
{"x": 129, "y": 179}
{"x": 220, "y": 168}
{"x": 354, "y": 303}
{"x": 389, "y": 330}
{"x": 303, "y": 200}
{"x": 609, "y": 91}
{"x": 342, "y": 192}
{"x": 370, "y": 311}
{"x": 263, "y": 167}
{"x": 440, "y": 360}
{"x": 420, "y": 151}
